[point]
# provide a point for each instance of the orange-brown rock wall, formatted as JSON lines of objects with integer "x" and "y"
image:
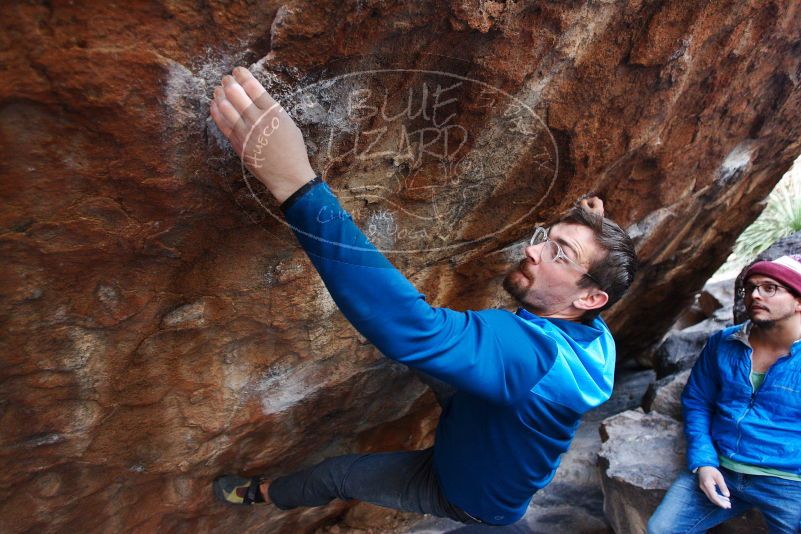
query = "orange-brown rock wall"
{"x": 160, "y": 327}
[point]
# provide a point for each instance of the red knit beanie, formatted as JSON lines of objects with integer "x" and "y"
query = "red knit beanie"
{"x": 785, "y": 270}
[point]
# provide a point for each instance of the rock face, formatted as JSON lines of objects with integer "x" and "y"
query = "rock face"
{"x": 664, "y": 396}
{"x": 634, "y": 478}
{"x": 710, "y": 312}
{"x": 680, "y": 349}
{"x": 713, "y": 301}
{"x": 161, "y": 327}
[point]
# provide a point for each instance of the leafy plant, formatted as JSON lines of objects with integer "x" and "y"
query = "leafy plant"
{"x": 780, "y": 218}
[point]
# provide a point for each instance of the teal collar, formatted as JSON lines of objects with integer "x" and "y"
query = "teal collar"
{"x": 584, "y": 332}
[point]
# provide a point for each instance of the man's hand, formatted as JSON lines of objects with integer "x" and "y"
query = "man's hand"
{"x": 262, "y": 133}
{"x": 709, "y": 479}
{"x": 593, "y": 205}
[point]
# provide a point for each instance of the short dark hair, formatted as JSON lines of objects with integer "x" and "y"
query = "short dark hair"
{"x": 616, "y": 269}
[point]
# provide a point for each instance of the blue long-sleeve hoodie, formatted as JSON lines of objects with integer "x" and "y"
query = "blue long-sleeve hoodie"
{"x": 523, "y": 381}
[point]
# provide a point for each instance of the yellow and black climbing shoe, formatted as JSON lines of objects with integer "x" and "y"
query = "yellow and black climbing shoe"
{"x": 233, "y": 489}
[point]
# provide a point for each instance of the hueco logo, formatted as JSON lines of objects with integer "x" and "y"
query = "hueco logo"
{"x": 415, "y": 154}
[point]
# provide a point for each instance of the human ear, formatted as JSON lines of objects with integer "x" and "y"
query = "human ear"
{"x": 592, "y": 301}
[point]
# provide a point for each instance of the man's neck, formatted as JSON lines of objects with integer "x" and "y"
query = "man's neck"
{"x": 778, "y": 336}
{"x": 575, "y": 317}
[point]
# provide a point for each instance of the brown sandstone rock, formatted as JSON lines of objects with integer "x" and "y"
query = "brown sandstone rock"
{"x": 160, "y": 327}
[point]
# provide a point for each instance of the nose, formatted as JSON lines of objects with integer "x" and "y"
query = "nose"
{"x": 533, "y": 252}
{"x": 754, "y": 294}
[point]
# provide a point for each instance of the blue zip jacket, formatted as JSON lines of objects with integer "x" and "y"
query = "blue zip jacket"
{"x": 722, "y": 413}
{"x": 523, "y": 381}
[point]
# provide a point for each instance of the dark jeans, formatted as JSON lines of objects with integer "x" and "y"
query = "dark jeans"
{"x": 400, "y": 480}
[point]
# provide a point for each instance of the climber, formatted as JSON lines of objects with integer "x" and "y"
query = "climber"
{"x": 513, "y": 386}
{"x": 742, "y": 414}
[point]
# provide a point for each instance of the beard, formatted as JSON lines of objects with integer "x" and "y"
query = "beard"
{"x": 768, "y": 323}
{"x": 513, "y": 288}
{"x": 764, "y": 324}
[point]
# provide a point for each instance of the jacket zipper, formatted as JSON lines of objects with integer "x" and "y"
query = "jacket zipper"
{"x": 751, "y": 401}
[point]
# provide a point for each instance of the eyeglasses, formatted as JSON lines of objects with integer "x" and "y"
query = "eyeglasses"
{"x": 552, "y": 252}
{"x": 766, "y": 290}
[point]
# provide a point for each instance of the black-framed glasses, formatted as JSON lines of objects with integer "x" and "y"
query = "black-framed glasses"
{"x": 552, "y": 252}
{"x": 766, "y": 290}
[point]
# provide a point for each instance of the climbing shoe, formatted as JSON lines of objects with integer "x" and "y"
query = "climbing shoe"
{"x": 233, "y": 489}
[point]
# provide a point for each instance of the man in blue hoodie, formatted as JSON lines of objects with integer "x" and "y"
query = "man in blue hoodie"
{"x": 742, "y": 414}
{"x": 521, "y": 381}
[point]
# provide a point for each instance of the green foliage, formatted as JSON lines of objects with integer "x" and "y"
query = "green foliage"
{"x": 780, "y": 218}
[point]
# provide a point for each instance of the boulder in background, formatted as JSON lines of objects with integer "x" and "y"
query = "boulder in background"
{"x": 664, "y": 395}
{"x": 640, "y": 457}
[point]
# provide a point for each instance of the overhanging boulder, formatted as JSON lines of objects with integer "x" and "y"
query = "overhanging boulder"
{"x": 161, "y": 327}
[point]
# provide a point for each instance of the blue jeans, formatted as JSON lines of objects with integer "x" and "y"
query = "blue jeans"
{"x": 402, "y": 480}
{"x": 685, "y": 509}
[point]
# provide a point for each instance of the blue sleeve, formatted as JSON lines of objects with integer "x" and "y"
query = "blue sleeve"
{"x": 698, "y": 403}
{"x": 486, "y": 353}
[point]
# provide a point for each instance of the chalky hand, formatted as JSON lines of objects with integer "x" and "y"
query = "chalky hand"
{"x": 262, "y": 133}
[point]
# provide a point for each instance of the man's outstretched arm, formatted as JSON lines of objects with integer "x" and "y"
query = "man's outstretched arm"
{"x": 460, "y": 348}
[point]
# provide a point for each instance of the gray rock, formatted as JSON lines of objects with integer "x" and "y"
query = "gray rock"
{"x": 641, "y": 454}
{"x": 664, "y": 396}
{"x": 716, "y": 295}
{"x": 711, "y": 312}
{"x": 789, "y": 245}
{"x": 715, "y": 299}
{"x": 681, "y": 348}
